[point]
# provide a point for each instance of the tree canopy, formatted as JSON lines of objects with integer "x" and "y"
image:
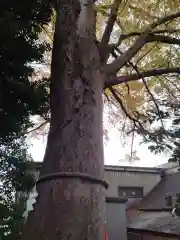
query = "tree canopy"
{"x": 145, "y": 45}
{"x": 142, "y": 38}
{"x": 20, "y": 46}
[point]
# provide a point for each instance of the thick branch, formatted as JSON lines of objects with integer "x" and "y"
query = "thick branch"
{"x": 125, "y": 57}
{"x": 135, "y": 34}
{"x": 136, "y": 76}
{"x": 110, "y": 23}
{"x": 140, "y": 42}
{"x": 163, "y": 39}
{"x": 85, "y": 21}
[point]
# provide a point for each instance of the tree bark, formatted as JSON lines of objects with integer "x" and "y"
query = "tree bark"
{"x": 72, "y": 208}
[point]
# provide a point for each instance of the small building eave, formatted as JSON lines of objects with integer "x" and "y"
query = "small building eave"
{"x": 155, "y": 233}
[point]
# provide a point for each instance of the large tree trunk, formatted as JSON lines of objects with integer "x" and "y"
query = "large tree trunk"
{"x": 72, "y": 207}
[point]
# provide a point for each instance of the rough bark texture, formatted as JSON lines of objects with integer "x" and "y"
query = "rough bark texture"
{"x": 72, "y": 208}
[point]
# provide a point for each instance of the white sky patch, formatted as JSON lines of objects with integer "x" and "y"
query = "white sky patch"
{"x": 114, "y": 150}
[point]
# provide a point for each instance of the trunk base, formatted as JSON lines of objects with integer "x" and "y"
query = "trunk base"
{"x": 74, "y": 211}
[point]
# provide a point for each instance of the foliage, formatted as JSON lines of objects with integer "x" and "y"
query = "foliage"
{"x": 177, "y": 199}
{"x": 167, "y": 138}
{"x": 177, "y": 205}
{"x": 147, "y": 101}
{"x": 21, "y": 96}
{"x": 15, "y": 176}
{"x": 11, "y": 222}
{"x": 139, "y": 100}
{"x": 21, "y": 24}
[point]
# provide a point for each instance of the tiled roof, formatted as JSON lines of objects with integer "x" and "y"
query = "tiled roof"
{"x": 160, "y": 222}
{"x": 157, "y": 216}
{"x": 170, "y": 184}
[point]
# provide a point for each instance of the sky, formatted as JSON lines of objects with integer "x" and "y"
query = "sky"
{"x": 114, "y": 151}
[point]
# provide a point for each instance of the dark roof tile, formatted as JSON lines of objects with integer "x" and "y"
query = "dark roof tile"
{"x": 162, "y": 222}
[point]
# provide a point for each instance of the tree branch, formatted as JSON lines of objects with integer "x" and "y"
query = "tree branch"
{"x": 137, "y": 124}
{"x": 118, "y": 99}
{"x": 151, "y": 95}
{"x": 135, "y": 34}
{"x": 170, "y": 93}
{"x": 38, "y": 127}
{"x": 132, "y": 77}
{"x": 163, "y": 39}
{"x": 85, "y": 23}
{"x": 139, "y": 43}
{"x": 48, "y": 34}
{"x": 146, "y": 53}
{"x": 110, "y": 23}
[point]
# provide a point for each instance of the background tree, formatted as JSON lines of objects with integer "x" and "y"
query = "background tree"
{"x": 167, "y": 139}
{"x": 85, "y": 63}
{"x": 176, "y": 210}
{"x": 15, "y": 176}
{"x": 20, "y": 97}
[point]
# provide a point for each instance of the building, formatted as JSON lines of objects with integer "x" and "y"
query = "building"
{"x": 129, "y": 182}
{"x": 152, "y": 217}
{"x": 127, "y": 185}
{"x": 139, "y": 202}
